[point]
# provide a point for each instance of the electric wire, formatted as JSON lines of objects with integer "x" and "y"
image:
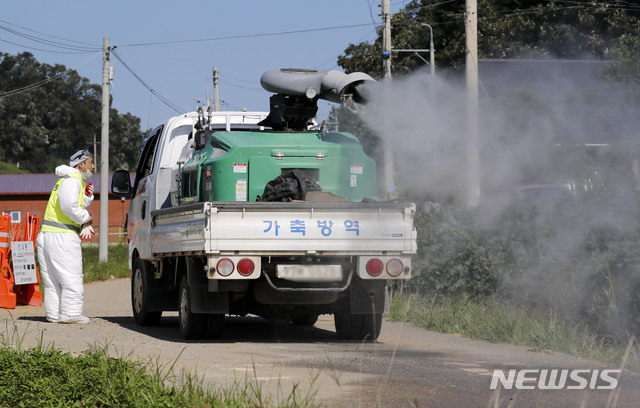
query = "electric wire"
{"x": 373, "y": 21}
{"x": 154, "y": 92}
{"x": 246, "y": 81}
{"x": 44, "y": 81}
{"x": 237, "y": 37}
{"x": 239, "y": 86}
{"x": 517, "y": 13}
{"x": 35, "y": 84}
{"x": 432, "y": 5}
{"x": 48, "y": 35}
{"x": 42, "y": 49}
{"x": 70, "y": 48}
{"x": 55, "y": 44}
{"x": 618, "y": 4}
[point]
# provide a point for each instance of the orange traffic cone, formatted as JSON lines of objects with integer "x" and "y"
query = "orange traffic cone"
{"x": 30, "y": 294}
{"x": 7, "y": 296}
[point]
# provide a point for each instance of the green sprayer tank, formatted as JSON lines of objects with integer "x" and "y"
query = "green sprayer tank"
{"x": 237, "y": 165}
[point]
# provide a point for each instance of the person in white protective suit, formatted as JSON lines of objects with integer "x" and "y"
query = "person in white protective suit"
{"x": 66, "y": 221}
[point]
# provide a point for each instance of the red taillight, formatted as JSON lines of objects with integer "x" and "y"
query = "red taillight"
{"x": 246, "y": 267}
{"x": 394, "y": 267}
{"x": 374, "y": 267}
{"x": 224, "y": 267}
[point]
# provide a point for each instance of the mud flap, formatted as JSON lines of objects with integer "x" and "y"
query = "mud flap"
{"x": 201, "y": 300}
{"x": 368, "y": 296}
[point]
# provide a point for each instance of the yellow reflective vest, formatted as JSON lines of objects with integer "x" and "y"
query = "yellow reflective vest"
{"x": 54, "y": 219}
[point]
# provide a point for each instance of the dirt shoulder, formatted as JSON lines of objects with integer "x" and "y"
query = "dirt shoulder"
{"x": 407, "y": 366}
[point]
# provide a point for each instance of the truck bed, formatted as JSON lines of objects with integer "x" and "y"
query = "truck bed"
{"x": 277, "y": 228}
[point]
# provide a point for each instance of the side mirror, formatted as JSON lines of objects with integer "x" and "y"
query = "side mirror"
{"x": 121, "y": 184}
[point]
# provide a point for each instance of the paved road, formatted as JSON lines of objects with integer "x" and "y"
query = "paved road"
{"x": 406, "y": 367}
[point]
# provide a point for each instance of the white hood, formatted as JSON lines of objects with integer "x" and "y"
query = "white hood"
{"x": 68, "y": 195}
{"x": 64, "y": 170}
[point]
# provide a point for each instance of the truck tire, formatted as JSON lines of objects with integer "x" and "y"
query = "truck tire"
{"x": 140, "y": 294}
{"x": 358, "y": 326}
{"x": 214, "y": 326}
{"x": 305, "y": 319}
{"x": 192, "y": 325}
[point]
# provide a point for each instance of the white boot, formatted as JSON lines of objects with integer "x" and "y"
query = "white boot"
{"x": 75, "y": 319}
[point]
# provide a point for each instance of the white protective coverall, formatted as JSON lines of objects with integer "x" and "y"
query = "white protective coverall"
{"x": 60, "y": 254}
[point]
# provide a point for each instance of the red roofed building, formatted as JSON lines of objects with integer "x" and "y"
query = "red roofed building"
{"x": 29, "y": 193}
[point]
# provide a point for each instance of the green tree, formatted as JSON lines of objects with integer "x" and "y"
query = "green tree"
{"x": 516, "y": 29}
{"x": 40, "y": 127}
{"x": 506, "y": 29}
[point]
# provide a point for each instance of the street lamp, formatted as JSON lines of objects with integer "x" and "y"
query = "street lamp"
{"x": 431, "y": 52}
{"x": 432, "y": 57}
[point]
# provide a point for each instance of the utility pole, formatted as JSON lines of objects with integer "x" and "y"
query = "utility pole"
{"x": 386, "y": 39}
{"x": 432, "y": 51}
{"x": 471, "y": 68}
{"x": 208, "y": 100}
{"x": 216, "y": 97}
{"x": 390, "y": 187}
{"x": 103, "y": 249}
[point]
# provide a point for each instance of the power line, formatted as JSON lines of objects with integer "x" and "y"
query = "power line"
{"x": 162, "y": 98}
{"x": 44, "y": 81}
{"x": 373, "y": 20}
{"x": 237, "y": 37}
{"x": 521, "y": 12}
{"x": 617, "y": 4}
{"x": 34, "y": 85}
{"x": 239, "y": 86}
{"x": 55, "y": 44}
{"x": 43, "y": 50}
{"x": 48, "y": 35}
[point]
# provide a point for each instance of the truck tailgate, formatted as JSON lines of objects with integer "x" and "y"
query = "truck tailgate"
{"x": 276, "y": 228}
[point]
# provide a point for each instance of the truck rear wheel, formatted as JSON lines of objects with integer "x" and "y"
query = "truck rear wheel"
{"x": 215, "y": 326}
{"x": 305, "y": 319}
{"x": 140, "y": 294}
{"x": 358, "y": 326}
{"x": 192, "y": 325}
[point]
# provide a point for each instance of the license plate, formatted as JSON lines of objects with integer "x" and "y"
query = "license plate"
{"x": 310, "y": 273}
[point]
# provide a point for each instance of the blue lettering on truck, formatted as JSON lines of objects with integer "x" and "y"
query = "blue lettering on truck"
{"x": 309, "y": 228}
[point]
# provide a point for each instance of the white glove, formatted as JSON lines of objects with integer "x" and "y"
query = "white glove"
{"x": 87, "y": 232}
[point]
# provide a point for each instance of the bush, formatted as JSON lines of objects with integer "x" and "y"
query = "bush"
{"x": 580, "y": 256}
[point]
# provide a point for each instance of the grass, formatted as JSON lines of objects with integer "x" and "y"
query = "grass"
{"x": 95, "y": 379}
{"x": 44, "y": 376}
{"x": 116, "y": 266}
{"x": 526, "y": 326}
{"x": 6, "y": 168}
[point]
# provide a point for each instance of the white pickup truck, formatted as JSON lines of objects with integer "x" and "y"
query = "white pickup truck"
{"x": 205, "y": 241}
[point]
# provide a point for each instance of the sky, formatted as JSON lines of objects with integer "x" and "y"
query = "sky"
{"x": 172, "y": 46}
